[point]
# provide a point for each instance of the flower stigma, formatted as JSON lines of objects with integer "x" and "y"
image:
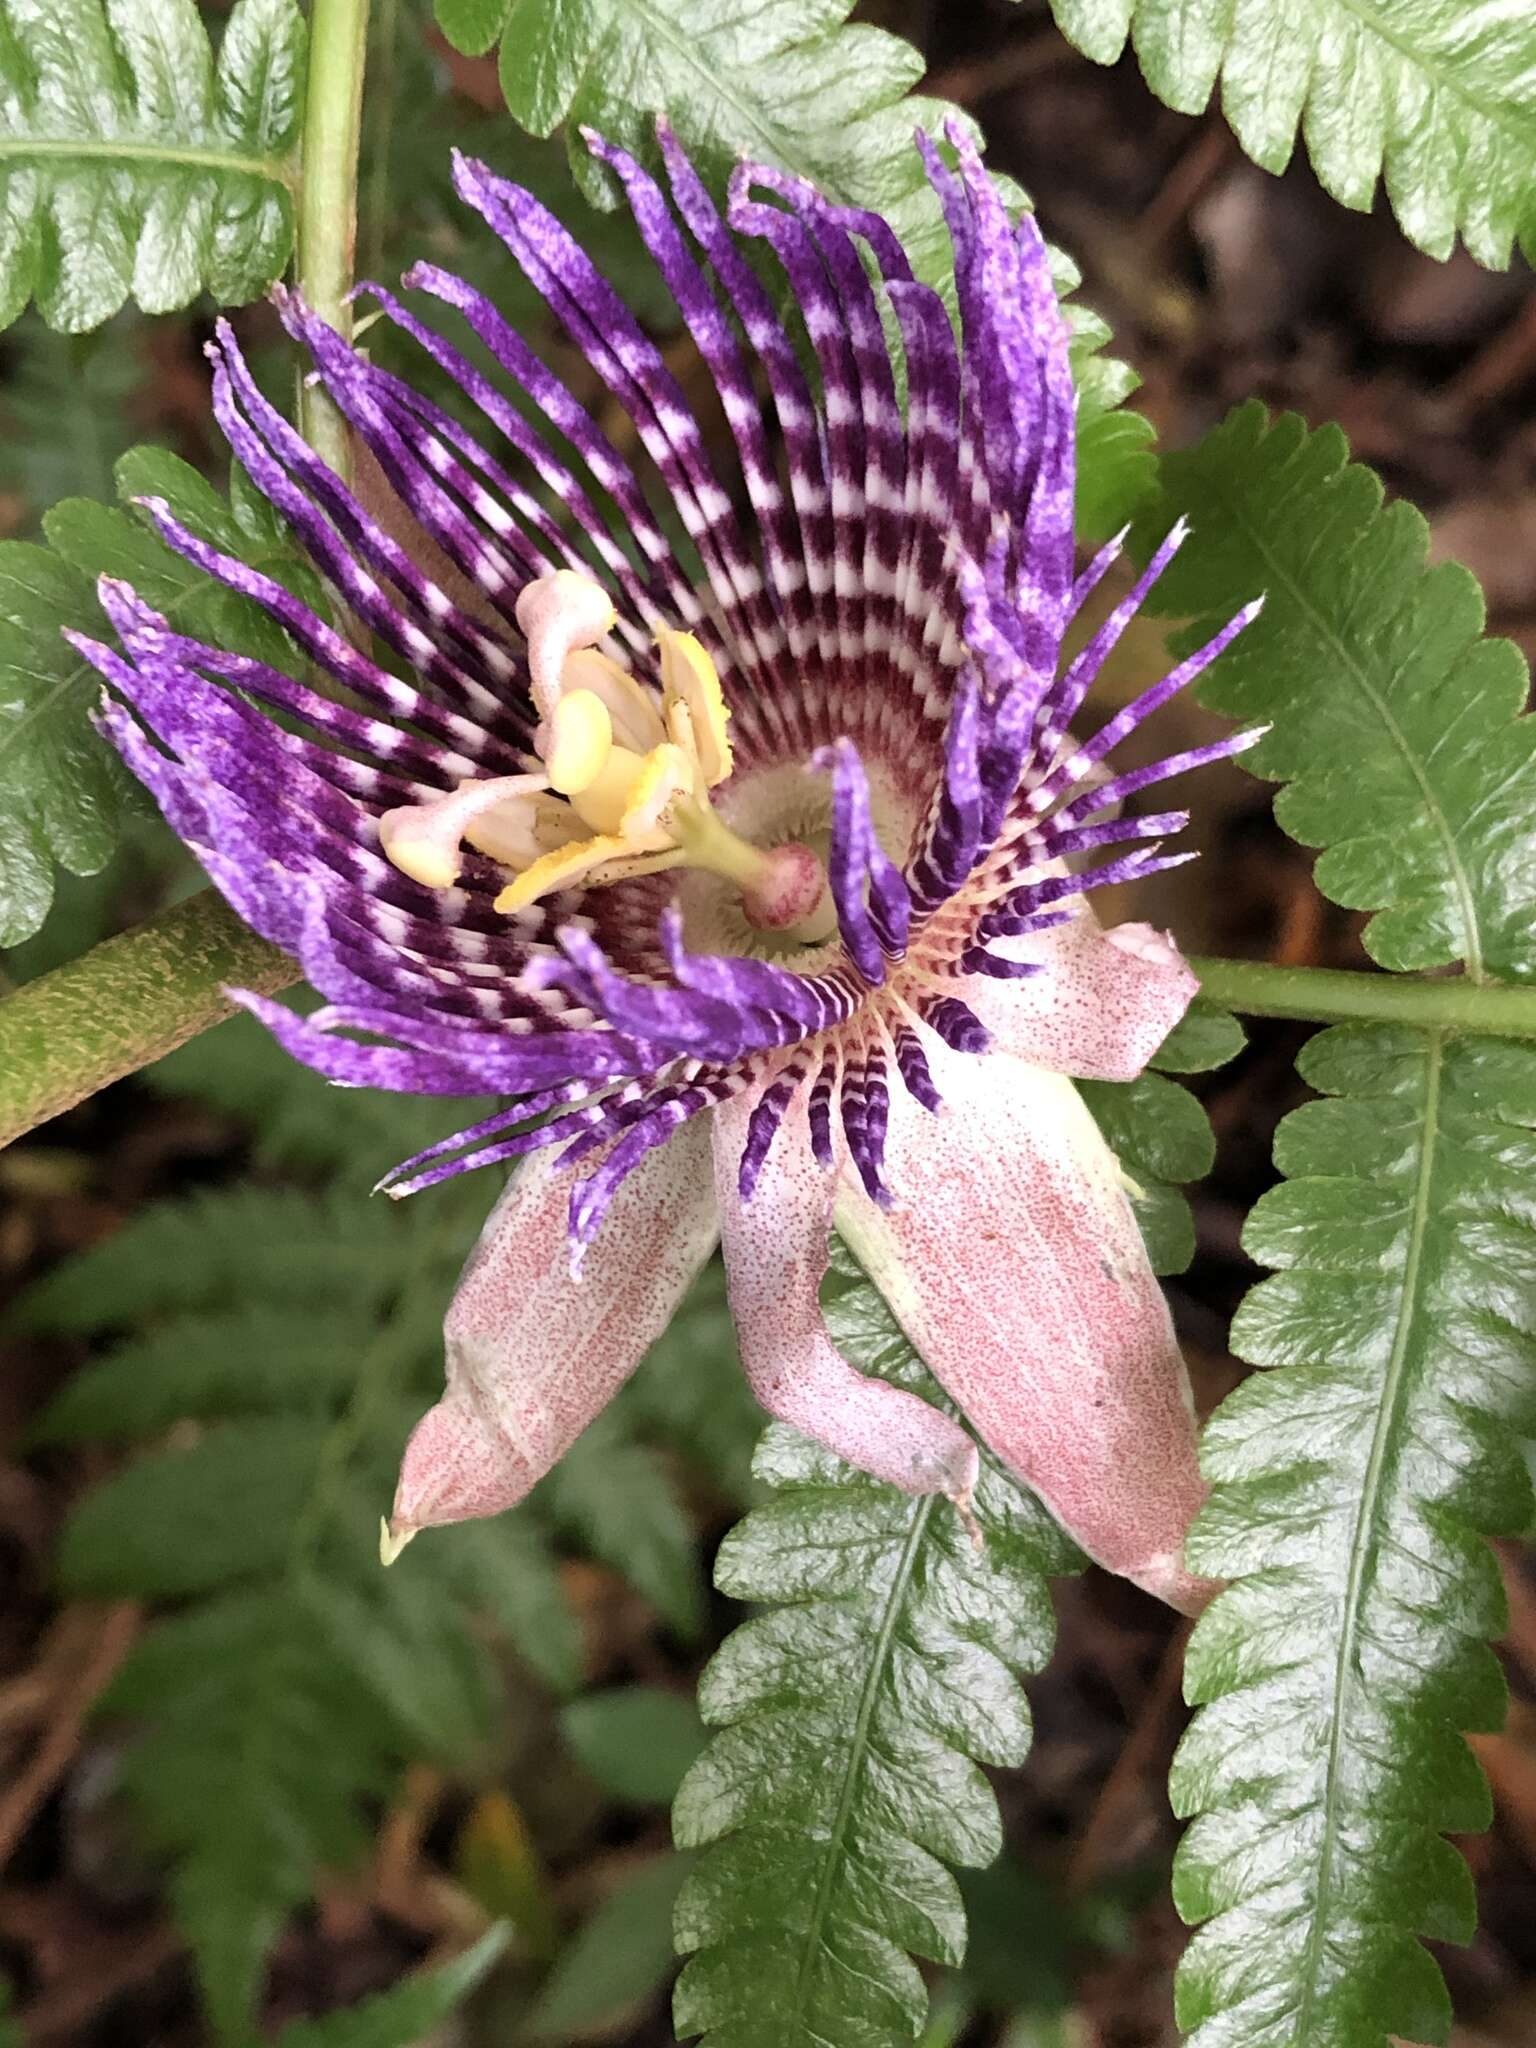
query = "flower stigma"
{"x": 621, "y": 782}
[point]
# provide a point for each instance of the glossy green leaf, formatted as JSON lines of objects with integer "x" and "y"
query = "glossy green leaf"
{"x": 63, "y": 792}
{"x": 1160, "y": 1133}
{"x": 1352, "y": 1487}
{"x": 133, "y": 162}
{"x": 1202, "y": 1039}
{"x": 792, "y": 83}
{"x": 853, "y": 1715}
{"x": 1395, "y": 724}
{"x": 1437, "y": 97}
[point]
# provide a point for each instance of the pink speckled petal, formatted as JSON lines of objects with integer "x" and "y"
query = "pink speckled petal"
{"x": 1103, "y": 1005}
{"x": 533, "y": 1355}
{"x": 775, "y": 1255}
{"x": 1013, "y": 1261}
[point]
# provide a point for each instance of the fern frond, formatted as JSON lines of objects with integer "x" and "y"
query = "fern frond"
{"x": 50, "y": 450}
{"x": 255, "y": 1358}
{"x": 1433, "y": 96}
{"x": 131, "y": 162}
{"x": 1397, "y": 727}
{"x": 212, "y": 1250}
{"x": 853, "y": 1716}
{"x": 64, "y": 794}
{"x": 1352, "y": 1488}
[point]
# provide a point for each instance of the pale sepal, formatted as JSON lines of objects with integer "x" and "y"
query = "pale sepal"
{"x": 534, "y": 1355}
{"x": 1012, "y": 1259}
{"x": 1102, "y": 1004}
{"x": 775, "y": 1249}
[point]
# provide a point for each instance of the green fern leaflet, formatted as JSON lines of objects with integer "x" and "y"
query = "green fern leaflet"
{"x": 1396, "y": 725}
{"x": 1352, "y": 1491}
{"x": 1436, "y": 97}
{"x": 853, "y": 1716}
{"x": 132, "y": 162}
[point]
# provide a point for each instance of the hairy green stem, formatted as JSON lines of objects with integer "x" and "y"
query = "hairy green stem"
{"x": 333, "y": 126}
{"x": 1327, "y": 995}
{"x": 124, "y": 1003}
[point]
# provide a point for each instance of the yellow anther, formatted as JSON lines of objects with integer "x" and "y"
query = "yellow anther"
{"x": 579, "y": 742}
{"x": 519, "y": 833}
{"x": 633, "y": 709}
{"x": 602, "y": 804}
{"x": 607, "y": 858}
{"x": 428, "y": 861}
{"x": 665, "y": 774}
{"x": 688, "y": 678}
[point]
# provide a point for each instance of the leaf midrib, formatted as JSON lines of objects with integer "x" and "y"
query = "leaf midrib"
{"x": 177, "y": 156}
{"x": 858, "y": 1743}
{"x": 1363, "y": 1545}
{"x": 1461, "y": 881}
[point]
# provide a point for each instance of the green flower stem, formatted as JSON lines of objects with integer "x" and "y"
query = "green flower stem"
{"x": 128, "y": 1001}
{"x": 135, "y": 997}
{"x": 327, "y": 229}
{"x": 1327, "y": 995}
{"x": 124, "y": 1003}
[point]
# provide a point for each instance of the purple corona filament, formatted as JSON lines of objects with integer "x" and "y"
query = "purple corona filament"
{"x": 762, "y": 899}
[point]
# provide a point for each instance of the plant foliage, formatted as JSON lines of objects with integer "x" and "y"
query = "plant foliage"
{"x": 132, "y": 161}
{"x": 1433, "y": 96}
{"x": 1352, "y": 1489}
{"x": 1395, "y": 724}
{"x": 63, "y": 793}
{"x": 407, "y": 2014}
{"x": 853, "y": 1715}
{"x": 267, "y": 1349}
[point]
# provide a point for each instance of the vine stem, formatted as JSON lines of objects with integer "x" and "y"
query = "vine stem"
{"x": 128, "y": 1001}
{"x": 135, "y": 997}
{"x": 1328, "y": 995}
{"x": 124, "y": 1003}
{"x": 327, "y": 233}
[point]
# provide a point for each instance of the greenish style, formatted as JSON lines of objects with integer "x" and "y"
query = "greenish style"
{"x": 1432, "y": 96}
{"x": 1353, "y": 1483}
{"x": 852, "y": 1717}
{"x": 1397, "y": 727}
{"x": 132, "y": 162}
